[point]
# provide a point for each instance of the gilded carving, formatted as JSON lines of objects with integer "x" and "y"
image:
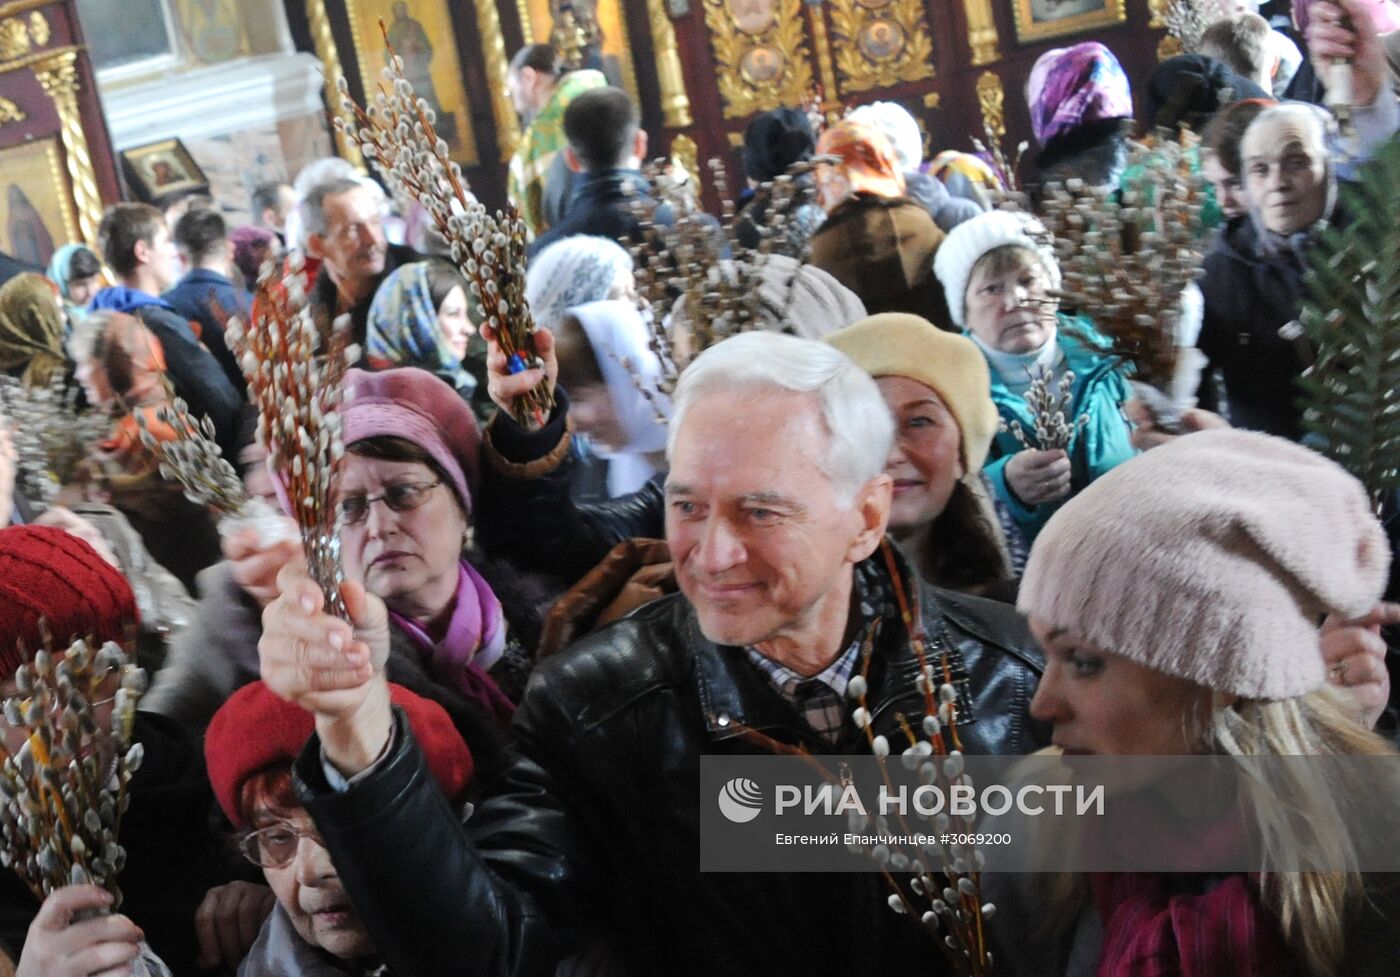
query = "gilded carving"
{"x": 747, "y": 81}
{"x": 882, "y": 47}
{"x": 58, "y": 75}
{"x": 14, "y": 38}
{"x": 675, "y": 104}
{"x": 39, "y": 31}
{"x": 686, "y": 155}
{"x": 831, "y": 105}
{"x": 326, "y": 50}
{"x": 1169, "y": 47}
{"x": 1157, "y": 12}
{"x": 493, "y": 46}
{"x": 992, "y": 100}
{"x": 10, "y": 112}
{"x": 981, "y": 32}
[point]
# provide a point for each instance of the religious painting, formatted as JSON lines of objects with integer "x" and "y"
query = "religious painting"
{"x": 212, "y": 30}
{"x": 420, "y": 32}
{"x": 752, "y": 16}
{"x": 762, "y": 64}
{"x": 1037, "y": 20}
{"x": 163, "y": 170}
{"x": 881, "y": 39}
{"x": 604, "y": 24}
{"x": 36, "y": 205}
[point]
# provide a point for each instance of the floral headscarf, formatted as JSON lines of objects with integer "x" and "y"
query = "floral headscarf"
{"x": 868, "y": 164}
{"x": 1074, "y": 86}
{"x": 574, "y": 271}
{"x": 403, "y": 328}
{"x": 31, "y": 329}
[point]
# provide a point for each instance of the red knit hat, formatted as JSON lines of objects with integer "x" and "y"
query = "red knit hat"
{"x": 48, "y": 573}
{"x": 255, "y": 729}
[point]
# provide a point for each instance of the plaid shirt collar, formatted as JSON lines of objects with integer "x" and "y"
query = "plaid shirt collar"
{"x": 874, "y": 601}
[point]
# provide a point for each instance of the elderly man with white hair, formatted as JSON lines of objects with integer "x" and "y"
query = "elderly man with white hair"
{"x": 777, "y": 503}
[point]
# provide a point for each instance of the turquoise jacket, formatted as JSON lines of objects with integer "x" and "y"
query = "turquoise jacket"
{"x": 1099, "y": 390}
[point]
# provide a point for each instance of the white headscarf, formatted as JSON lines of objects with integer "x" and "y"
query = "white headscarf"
{"x": 573, "y": 271}
{"x": 619, "y": 336}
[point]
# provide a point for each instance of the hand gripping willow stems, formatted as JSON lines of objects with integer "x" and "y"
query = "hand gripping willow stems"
{"x": 294, "y": 369}
{"x": 63, "y": 792}
{"x": 395, "y": 132}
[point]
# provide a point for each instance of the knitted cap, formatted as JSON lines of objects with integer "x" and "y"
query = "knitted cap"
{"x": 51, "y": 574}
{"x": 413, "y": 404}
{"x": 901, "y": 345}
{"x": 1212, "y": 559}
{"x": 255, "y": 729}
{"x": 970, "y": 240}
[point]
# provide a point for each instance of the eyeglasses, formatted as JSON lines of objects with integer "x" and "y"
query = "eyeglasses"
{"x": 276, "y": 845}
{"x": 400, "y": 497}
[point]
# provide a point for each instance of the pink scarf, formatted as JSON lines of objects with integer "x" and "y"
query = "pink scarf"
{"x": 475, "y": 640}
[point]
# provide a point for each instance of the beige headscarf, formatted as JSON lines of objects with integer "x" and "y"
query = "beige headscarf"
{"x": 31, "y": 329}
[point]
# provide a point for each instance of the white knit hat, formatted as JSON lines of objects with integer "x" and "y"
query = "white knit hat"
{"x": 899, "y": 127}
{"x": 970, "y": 240}
{"x": 1213, "y": 559}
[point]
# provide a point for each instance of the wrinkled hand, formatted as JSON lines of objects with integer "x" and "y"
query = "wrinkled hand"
{"x": 255, "y": 567}
{"x": 74, "y": 524}
{"x": 504, "y": 386}
{"x": 1147, "y": 435}
{"x": 228, "y": 920}
{"x": 55, "y": 946}
{"x": 1329, "y": 38}
{"x": 329, "y": 669}
{"x": 1354, "y": 653}
{"x": 1038, "y": 476}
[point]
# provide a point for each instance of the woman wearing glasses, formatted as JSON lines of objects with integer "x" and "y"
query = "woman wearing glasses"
{"x": 313, "y": 931}
{"x": 406, "y": 503}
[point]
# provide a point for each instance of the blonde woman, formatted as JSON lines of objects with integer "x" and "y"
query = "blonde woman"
{"x": 1178, "y": 600}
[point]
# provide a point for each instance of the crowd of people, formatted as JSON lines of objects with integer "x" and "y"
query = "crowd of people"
{"x": 491, "y": 764}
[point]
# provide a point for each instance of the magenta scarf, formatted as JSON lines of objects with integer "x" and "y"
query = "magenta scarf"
{"x": 475, "y": 640}
{"x": 1222, "y": 932}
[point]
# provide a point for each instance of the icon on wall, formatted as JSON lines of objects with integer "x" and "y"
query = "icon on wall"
{"x": 162, "y": 171}
{"x": 1037, "y": 20}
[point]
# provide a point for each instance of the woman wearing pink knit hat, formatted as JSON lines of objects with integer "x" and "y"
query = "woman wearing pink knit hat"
{"x": 1202, "y": 599}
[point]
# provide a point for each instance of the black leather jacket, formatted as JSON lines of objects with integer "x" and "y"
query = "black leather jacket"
{"x": 594, "y": 828}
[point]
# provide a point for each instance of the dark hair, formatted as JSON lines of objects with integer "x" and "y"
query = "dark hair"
{"x": 390, "y": 447}
{"x": 537, "y": 57}
{"x": 964, "y": 553}
{"x": 266, "y": 196}
{"x": 200, "y": 233}
{"x": 443, "y": 277}
{"x": 122, "y": 226}
{"x": 774, "y": 141}
{"x": 599, "y": 125}
{"x": 578, "y": 361}
{"x": 1225, "y": 132}
{"x": 83, "y": 264}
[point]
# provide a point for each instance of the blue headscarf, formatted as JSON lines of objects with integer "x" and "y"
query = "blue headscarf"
{"x": 59, "y": 271}
{"x": 403, "y": 328}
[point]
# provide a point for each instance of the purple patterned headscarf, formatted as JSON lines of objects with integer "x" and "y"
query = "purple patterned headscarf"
{"x": 1071, "y": 87}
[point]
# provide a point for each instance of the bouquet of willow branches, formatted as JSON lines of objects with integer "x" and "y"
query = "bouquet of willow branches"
{"x": 396, "y": 133}
{"x": 702, "y": 284}
{"x": 65, "y": 790}
{"x": 1127, "y": 262}
{"x": 944, "y": 892}
{"x": 51, "y": 436}
{"x": 194, "y": 460}
{"x": 294, "y": 369}
{"x": 1051, "y": 405}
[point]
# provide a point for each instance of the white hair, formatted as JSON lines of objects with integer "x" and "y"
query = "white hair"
{"x": 899, "y": 126}
{"x": 859, "y": 423}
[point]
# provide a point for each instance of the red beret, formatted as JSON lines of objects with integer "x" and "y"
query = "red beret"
{"x": 48, "y": 573}
{"x": 256, "y": 729}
